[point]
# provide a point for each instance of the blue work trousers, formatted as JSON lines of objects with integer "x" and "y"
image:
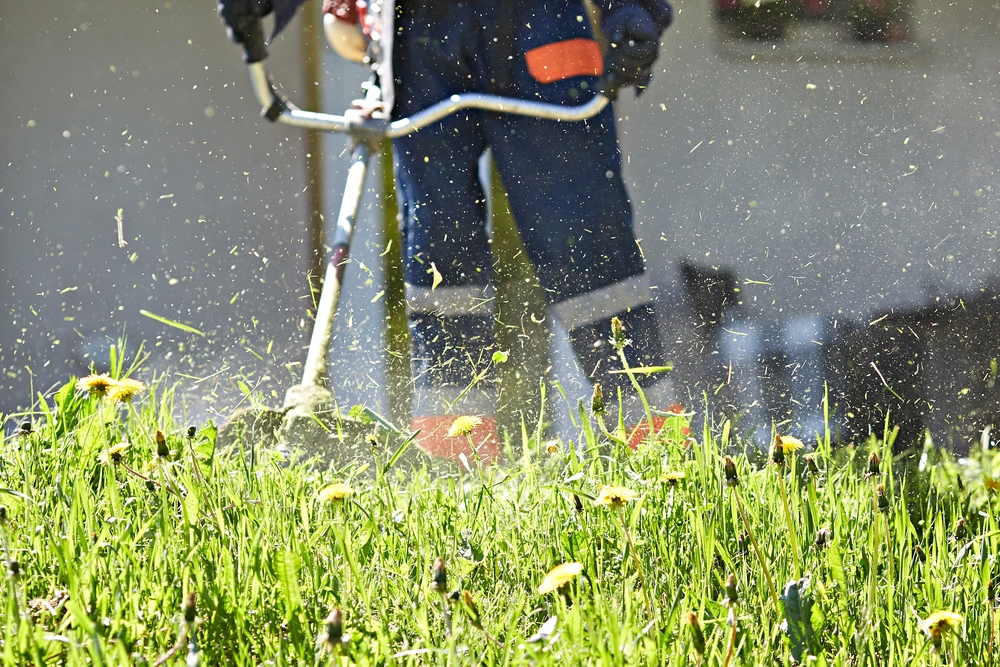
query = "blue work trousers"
{"x": 563, "y": 181}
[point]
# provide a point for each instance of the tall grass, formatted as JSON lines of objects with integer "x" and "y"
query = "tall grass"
{"x": 230, "y": 557}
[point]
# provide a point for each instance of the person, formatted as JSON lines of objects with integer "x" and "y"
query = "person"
{"x": 563, "y": 181}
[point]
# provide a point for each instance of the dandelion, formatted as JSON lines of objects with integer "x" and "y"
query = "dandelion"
{"x": 673, "y": 477}
{"x": 439, "y": 573}
{"x": 811, "y": 466}
{"x": 24, "y": 428}
{"x": 729, "y": 468}
{"x": 333, "y": 634}
{"x": 335, "y": 493}
{"x": 697, "y": 634}
{"x": 940, "y": 623}
{"x": 733, "y": 481}
{"x": 788, "y": 444}
{"x": 124, "y": 390}
{"x": 782, "y": 445}
{"x": 161, "y": 444}
{"x": 615, "y": 496}
{"x": 823, "y": 538}
{"x": 597, "y": 406}
{"x": 113, "y": 455}
{"x": 190, "y": 607}
{"x": 991, "y": 484}
{"x": 883, "y": 500}
{"x": 732, "y": 599}
{"x": 874, "y": 465}
{"x": 472, "y": 610}
{"x": 960, "y": 530}
{"x": 552, "y": 447}
{"x": 559, "y": 576}
{"x": 464, "y": 426}
{"x": 618, "y": 338}
{"x": 96, "y": 385}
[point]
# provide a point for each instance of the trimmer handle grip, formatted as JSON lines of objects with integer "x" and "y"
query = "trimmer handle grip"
{"x": 254, "y": 45}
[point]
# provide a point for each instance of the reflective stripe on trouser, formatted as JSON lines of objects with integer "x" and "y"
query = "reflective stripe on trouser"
{"x": 587, "y": 318}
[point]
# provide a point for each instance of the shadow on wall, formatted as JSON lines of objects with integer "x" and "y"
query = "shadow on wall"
{"x": 932, "y": 367}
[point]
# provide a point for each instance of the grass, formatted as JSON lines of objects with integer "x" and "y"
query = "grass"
{"x": 231, "y": 557}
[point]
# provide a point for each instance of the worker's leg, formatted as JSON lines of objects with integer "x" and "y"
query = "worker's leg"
{"x": 573, "y": 212}
{"x": 447, "y": 259}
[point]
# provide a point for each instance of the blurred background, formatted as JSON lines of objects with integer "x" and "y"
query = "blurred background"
{"x": 814, "y": 190}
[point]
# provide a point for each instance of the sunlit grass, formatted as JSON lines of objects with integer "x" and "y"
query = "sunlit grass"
{"x": 170, "y": 549}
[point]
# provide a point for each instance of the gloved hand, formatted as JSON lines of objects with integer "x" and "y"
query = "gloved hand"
{"x": 632, "y": 29}
{"x": 242, "y": 19}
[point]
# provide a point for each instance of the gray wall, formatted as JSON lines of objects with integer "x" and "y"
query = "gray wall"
{"x": 835, "y": 187}
{"x": 143, "y": 107}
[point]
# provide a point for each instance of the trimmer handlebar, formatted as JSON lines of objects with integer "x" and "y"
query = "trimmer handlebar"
{"x": 311, "y": 394}
{"x": 277, "y": 108}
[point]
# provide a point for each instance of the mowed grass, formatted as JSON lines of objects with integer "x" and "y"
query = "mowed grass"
{"x": 111, "y": 551}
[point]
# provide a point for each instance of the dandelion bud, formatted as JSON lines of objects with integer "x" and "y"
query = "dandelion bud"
{"x": 13, "y": 569}
{"x": 918, "y": 553}
{"x": 777, "y": 452}
{"x": 883, "y": 501}
{"x": 732, "y": 477}
{"x": 150, "y": 485}
{"x": 24, "y": 428}
{"x": 697, "y": 635}
{"x": 161, "y": 445}
{"x": 472, "y": 610}
{"x": 577, "y": 503}
{"x": 823, "y": 537}
{"x": 731, "y": 595}
{"x": 874, "y": 464}
{"x": 440, "y": 572}
{"x": 811, "y": 465}
{"x": 190, "y": 607}
{"x": 618, "y": 334}
{"x": 597, "y": 401}
{"x": 991, "y": 592}
{"x": 3, "y": 515}
{"x": 960, "y": 531}
{"x": 192, "y": 431}
{"x": 335, "y": 627}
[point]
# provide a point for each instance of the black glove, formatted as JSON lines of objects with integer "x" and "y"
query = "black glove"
{"x": 242, "y": 19}
{"x": 632, "y": 29}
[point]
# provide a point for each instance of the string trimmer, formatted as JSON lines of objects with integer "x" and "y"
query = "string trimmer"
{"x": 307, "y": 418}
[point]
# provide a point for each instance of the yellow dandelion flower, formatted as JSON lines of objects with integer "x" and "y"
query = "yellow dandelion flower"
{"x": 335, "y": 493}
{"x": 788, "y": 444}
{"x": 124, "y": 390}
{"x": 559, "y": 576}
{"x": 991, "y": 484}
{"x": 938, "y": 624}
{"x": 463, "y": 426}
{"x": 615, "y": 496}
{"x": 552, "y": 447}
{"x": 113, "y": 454}
{"x": 96, "y": 385}
{"x": 672, "y": 477}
